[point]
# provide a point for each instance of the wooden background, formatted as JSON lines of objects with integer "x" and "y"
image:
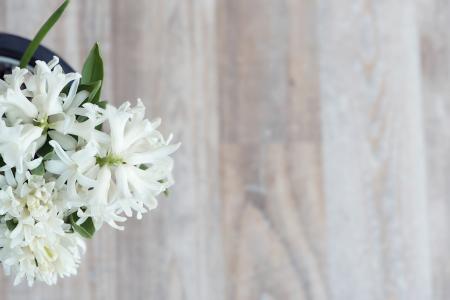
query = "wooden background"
{"x": 316, "y": 147}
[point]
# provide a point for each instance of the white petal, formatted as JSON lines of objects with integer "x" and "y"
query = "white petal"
{"x": 67, "y": 142}
{"x": 151, "y": 156}
{"x": 55, "y": 166}
{"x": 61, "y": 153}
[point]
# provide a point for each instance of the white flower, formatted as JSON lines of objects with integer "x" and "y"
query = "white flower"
{"x": 14, "y": 100}
{"x": 18, "y": 145}
{"x": 101, "y": 202}
{"x": 43, "y": 87}
{"x": 42, "y": 259}
{"x": 137, "y": 156}
{"x": 73, "y": 100}
{"x": 72, "y": 166}
{"x": 38, "y": 248}
{"x": 46, "y": 86}
{"x": 85, "y": 130}
{"x": 82, "y": 171}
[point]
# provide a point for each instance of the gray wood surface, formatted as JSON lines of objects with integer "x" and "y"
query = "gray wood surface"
{"x": 316, "y": 147}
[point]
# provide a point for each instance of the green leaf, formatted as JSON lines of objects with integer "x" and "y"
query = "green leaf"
{"x": 45, "y": 149}
{"x": 93, "y": 72}
{"x": 40, "y": 170}
{"x": 93, "y": 66}
{"x": 34, "y": 44}
{"x": 93, "y": 88}
{"x": 86, "y": 230}
{"x": 102, "y": 104}
{"x": 11, "y": 224}
{"x": 94, "y": 96}
{"x": 49, "y": 155}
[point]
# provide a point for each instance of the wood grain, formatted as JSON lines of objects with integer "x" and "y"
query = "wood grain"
{"x": 315, "y": 137}
{"x": 374, "y": 159}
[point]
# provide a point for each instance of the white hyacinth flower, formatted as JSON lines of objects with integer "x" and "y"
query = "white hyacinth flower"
{"x": 37, "y": 248}
{"x": 134, "y": 151}
{"x": 101, "y": 204}
{"x": 43, "y": 87}
{"x": 46, "y": 85}
{"x": 18, "y": 145}
{"x": 62, "y": 176}
{"x": 14, "y": 100}
{"x": 71, "y": 167}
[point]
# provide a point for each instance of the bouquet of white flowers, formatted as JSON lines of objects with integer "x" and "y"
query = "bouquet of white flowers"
{"x": 69, "y": 163}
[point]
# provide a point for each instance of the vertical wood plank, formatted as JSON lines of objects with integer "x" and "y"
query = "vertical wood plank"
{"x": 373, "y": 151}
{"x": 176, "y": 250}
{"x": 435, "y": 54}
{"x": 274, "y": 223}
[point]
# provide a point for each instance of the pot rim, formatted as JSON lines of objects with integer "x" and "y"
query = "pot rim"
{"x": 13, "y": 46}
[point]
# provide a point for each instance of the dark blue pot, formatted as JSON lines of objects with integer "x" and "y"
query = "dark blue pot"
{"x": 12, "y": 47}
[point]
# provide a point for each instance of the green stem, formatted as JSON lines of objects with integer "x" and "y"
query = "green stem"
{"x": 34, "y": 44}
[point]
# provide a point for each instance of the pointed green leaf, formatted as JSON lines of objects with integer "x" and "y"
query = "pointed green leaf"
{"x": 49, "y": 155}
{"x": 45, "y": 149}
{"x": 40, "y": 170}
{"x": 86, "y": 230}
{"x": 34, "y": 44}
{"x": 93, "y": 88}
{"x": 102, "y": 104}
{"x": 92, "y": 74}
{"x": 93, "y": 66}
{"x": 11, "y": 224}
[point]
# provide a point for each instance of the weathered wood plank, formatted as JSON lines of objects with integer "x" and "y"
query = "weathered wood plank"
{"x": 435, "y": 54}
{"x": 176, "y": 251}
{"x": 314, "y": 157}
{"x": 274, "y": 223}
{"x": 373, "y": 151}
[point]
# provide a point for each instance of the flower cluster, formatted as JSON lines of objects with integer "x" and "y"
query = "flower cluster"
{"x": 69, "y": 165}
